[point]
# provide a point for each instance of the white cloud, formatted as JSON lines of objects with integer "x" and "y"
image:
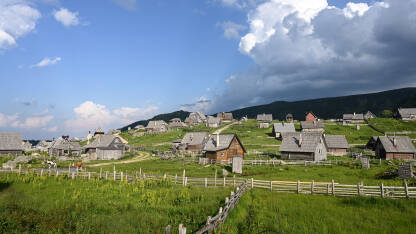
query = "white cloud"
{"x": 47, "y": 62}
{"x": 17, "y": 18}
{"x": 7, "y": 119}
{"x": 126, "y": 4}
{"x": 52, "y": 129}
{"x": 33, "y": 122}
{"x": 353, "y": 9}
{"x": 66, "y": 17}
{"x": 90, "y": 115}
{"x": 202, "y": 104}
{"x": 231, "y": 29}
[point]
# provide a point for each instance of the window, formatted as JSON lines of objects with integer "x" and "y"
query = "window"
{"x": 222, "y": 154}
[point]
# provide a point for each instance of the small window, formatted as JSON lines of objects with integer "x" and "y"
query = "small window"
{"x": 222, "y": 154}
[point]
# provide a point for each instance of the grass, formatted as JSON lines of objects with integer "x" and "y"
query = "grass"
{"x": 49, "y": 205}
{"x": 261, "y": 211}
{"x": 353, "y": 135}
{"x": 393, "y": 125}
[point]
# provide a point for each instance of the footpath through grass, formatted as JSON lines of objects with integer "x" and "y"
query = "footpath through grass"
{"x": 50, "y": 205}
{"x": 261, "y": 211}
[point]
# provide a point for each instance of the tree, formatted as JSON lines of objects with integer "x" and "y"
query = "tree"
{"x": 387, "y": 114}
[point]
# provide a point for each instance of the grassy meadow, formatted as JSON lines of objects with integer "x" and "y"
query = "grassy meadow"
{"x": 262, "y": 211}
{"x": 50, "y": 205}
{"x": 393, "y": 125}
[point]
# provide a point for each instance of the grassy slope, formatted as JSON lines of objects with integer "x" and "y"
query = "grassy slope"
{"x": 44, "y": 205}
{"x": 353, "y": 136}
{"x": 264, "y": 211}
{"x": 392, "y": 125}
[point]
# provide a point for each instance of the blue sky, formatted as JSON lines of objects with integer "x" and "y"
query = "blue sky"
{"x": 109, "y": 62}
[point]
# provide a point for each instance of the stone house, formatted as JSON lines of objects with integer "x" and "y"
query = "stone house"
{"x": 106, "y": 147}
{"x": 280, "y": 128}
{"x": 395, "y": 147}
{"x": 222, "y": 147}
{"x": 407, "y": 113}
{"x": 157, "y": 126}
{"x": 311, "y": 117}
{"x": 64, "y": 147}
{"x": 193, "y": 141}
{"x": 213, "y": 122}
{"x": 10, "y": 143}
{"x": 309, "y": 146}
{"x": 314, "y": 126}
{"x": 336, "y": 144}
{"x": 176, "y": 123}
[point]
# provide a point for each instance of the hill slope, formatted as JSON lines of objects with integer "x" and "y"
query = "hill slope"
{"x": 336, "y": 106}
{"x": 166, "y": 117}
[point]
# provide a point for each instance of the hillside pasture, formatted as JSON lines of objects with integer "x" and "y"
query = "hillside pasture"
{"x": 393, "y": 125}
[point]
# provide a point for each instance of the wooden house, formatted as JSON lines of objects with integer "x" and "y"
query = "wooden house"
{"x": 264, "y": 125}
{"x": 139, "y": 127}
{"x": 196, "y": 118}
{"x": 176, "y": 123}
{"x": 225, "y": 116}
{"x": 407, "y": 113}
{"x": 280, "y": 128}
{"x": 395, "y": 147}
{"x": 264, "y": 118}
{"x": 98, "y": 132}
{"x": 309, "y": 146}
{"x": 213, "y": 122}
{"x": 27, "y": 146}
{"x": 369, "y": 115}
{"x": 157, "y": 126}
{"x": 10, "y": 143}
{"x": 222, "y": 147}
{"x": 352, "y": 118}
{"x": 193, "y": 141}
{"x": 106, "y": 147}
{"x": 314, "y": 126}
{"x": 336, "y": 144}
{"x": 371, "y": 144}
{"x": 289, "y": 118}
{"x": 64, "y": 147}
{"x": 311, "y": 117}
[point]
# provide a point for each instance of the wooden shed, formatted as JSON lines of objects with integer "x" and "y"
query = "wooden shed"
{"x": 106, "y": 147}
{"x": 222, "y": 147}
{"x": 310, "y": 117}
{"x": 395, "y": 147}
{"x": 308, "y": 146}
{"x": 336, "y": 144}
{"x": 10, "y": 143}
{"x": 193, "y": 141}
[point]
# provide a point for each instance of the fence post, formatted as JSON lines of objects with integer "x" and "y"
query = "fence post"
{"x": 227, "y": 200}
{"x": 312, "y": 185}
{"x": 186, "y": 181}
{"x": 333, "y": 188}
{"x": 206, "y": 182}
{"x": 140, "y": 173}
{"x": 121, "y": 176}
{"x": 73, "y": 175}
{"x": 358, "y": 190}
{"x": 224, "y": 182}
{"x": 167, "y": 229}
{"x": 41, "y": 172}
{"x": 115, "y": 175}
{"x": 215, "y": 178}
{"x": 69, "y": 169}
{"x": 101, "y": 172}
{"x": 20, "y": 169}
{"x": 327, "y": 189}
{"x": 57, "y": 173}
{"x": 252, "y": 183}
{"x": 407, "y": 189}
{"x": 106, "y": 175}
{"x": 298, "y": 187}
{"x": 382, "y": 190}
{"x": 234, "y": 181}
{"x": 89, "y": 175}
{"x": 182, "y": 229}
{"x": 176, "y": 178}
{"x": 271, "y": 185}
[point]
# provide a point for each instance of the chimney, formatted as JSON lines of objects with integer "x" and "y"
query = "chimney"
{"x": 354, "y": 113}
{"x": 217, "y": 142}
{"x": 394, "y": 141}
{"x": 300, "y": 140}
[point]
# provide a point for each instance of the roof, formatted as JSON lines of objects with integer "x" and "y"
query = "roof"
{"x": 353, "y": 116}
{"x": 284, "y": 127}
{"x": 10, "y": 141}
{"x": 404, "y": 144}
{"x": 214, "y": 120}
{"x": 264, "y": 117}
{"x": 312, "y": 124}
{"x": 177, "y": 125}
{"x": 103, "y": 141}
{"x": 407, "y": 112}
{"x": 310, "y": 112}
{"x": 139, "y": 127}
{"x": 290, "y": 142}
{"x": 224, "y": 142}
{"x": 196, "y": 117}
{"x": 336, "y": 141}
{"x": 289, "y": 115}
{"x": 64, "y": 145}
{"x": 370, "y": 114}
{"x": 175, "y": 120}
{"x": 194, "y": 138}
{"x": 99, "y": 130}
{"x": 225, "y": 115}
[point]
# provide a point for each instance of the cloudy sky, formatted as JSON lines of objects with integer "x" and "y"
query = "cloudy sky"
{"x": 67, "y": 67}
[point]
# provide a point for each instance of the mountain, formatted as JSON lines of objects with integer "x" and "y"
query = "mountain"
{"x": 325, "y": 108}
{"x": 166, "y": 117}
{"x": 334, "y": 107}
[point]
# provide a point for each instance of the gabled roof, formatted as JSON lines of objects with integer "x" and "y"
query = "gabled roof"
{"x": 283, "y": 127}
{"x": 195, "y": 138}
{"x": 225, "y": 115}
{"x": 312, "y": 124}
{"x": 264, "y": 117}
{"x": 289, "y": 115}
{"x": 291, "y": 142}
{"x": 103, "y": 141}
{"x": 214, "y": 120}
{"x": 310, "y": 112}
{"x": 336, "y": 141}
{"x": 65, "y": 145}
{"x": 196, "y": 118}
{"x": 370, "y": 114}
{"x": 175, "y": 120}
{"x": 156, "y": 123}
{"x": 99, "y": 130}
{"x": 224, "y": 142}
{"x": 407, "y": 112}
{"x": 403, "y": 144}
{"x": 177, "y": 125}
{"x": 353, "y": 116}
{"x": 10, "y": 141}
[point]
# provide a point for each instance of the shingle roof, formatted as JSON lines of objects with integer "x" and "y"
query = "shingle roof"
{"x": 353, "y": 116}
{"x": 99, "y": 130}
{"x": 10, "y": 141}
{"x": 407, "y": 112}
{"x": 284, "y": 127}
{"x": 195, "y": 138}
{"x": 336, "y": 141}
{"x": 195, "y": 118}
{"x": 404, "y": 144}
{"x": 312, "y": 124}
{"x": 177, "y": 125}
{"x": 64, "y": 145}
{"x": 175, "y": 120}
{"x": 103, "y": 141}
{"x": 289, "y": 115}
{"x": 214, "y": 120}
{"x": 156, "y": 123}
{"x": 224, "y": 142}
{"x": 264, "y": 117}
{"x": 290, "y": 142}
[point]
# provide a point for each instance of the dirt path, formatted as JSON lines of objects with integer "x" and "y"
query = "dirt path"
{"x": 223, "y": 128}
{"x": 141, "y": 157}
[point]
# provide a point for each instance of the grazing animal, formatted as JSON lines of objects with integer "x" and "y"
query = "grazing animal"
{"x": 51, "y": 163}
{"x": 78, "y": 164}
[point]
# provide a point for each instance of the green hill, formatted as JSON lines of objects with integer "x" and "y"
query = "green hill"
{"x": 334, "y": 107}
{"x": 166, "y": 117}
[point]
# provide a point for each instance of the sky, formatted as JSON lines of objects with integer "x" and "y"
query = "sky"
{"x": 68, "y": 67}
